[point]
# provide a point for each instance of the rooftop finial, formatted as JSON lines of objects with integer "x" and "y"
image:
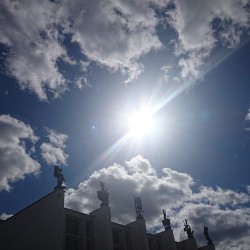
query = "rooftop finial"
{"x": 188, "y": 230}
{"x": 60, "y": 179}
{"x": 103, "y": 195}
{"x": 138, "y": 208}
{"x": 166, "y": 222}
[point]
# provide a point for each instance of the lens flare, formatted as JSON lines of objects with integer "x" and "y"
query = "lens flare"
{"x": 141, "y": 122}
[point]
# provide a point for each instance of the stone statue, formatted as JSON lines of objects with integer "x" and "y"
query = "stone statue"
{"x": 103, "y": 195}
{"x": 166, "y": 222}
{"x": 209, "y": 241}
{"x": 60, "y": 179}
{"x": 138, "y": 208}
{"x": 188, "y": 230}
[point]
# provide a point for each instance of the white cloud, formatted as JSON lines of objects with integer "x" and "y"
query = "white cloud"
{"x": 248, "y": 116}
{"x": 191, "y": 64}
{"x": 115, "y": 33}
{"x": 218, "y": 209}
{"x": 31, "y": 31}
{"x": 221, "y": 196}
{"x": 136, "y": 177}
{"x": 230, "y": 34}
{"x": 166, "y": 69}
{"x": 111, "y": 33}
{"x": 53, "y": 152}
{"x": 140, "y": 165}
{"x": 57, "y": 139}
{"x": 5, "y": 216}
{"x": 193, "y": 22}
{"x": 229, "y": 229}
{"x": 15, "y": 159}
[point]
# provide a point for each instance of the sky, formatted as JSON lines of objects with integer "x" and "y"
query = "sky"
{"x": 77, "y": 77}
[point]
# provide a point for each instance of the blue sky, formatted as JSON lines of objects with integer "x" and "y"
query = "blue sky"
{"x": 73, "y": 73}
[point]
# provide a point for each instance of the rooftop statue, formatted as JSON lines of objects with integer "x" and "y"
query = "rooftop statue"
{"x": 138, "y": 208}
{"x": 209, "y": 241}
{"x": 166, "y": 222}
{"x": 188, "y": 230}
{"x": 60, "y": 179}
{"x": 103, "y": 195}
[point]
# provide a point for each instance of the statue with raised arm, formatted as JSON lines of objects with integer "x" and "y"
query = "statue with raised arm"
{"x": 188, "y": 230}
{"x": 60, "y": 179}
{"x": 103, "y": 195}
{"x": 166, "y": 222}
{"x": 209, "y": 241}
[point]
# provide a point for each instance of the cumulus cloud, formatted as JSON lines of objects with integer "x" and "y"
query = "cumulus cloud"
{"x": 201, "y": 25}
{"x": 15, "y": 152}
{"x": 111, "y": 33}
{"x": 53, "y": 152}
{"x": 31, "y": 31}
{"x": 193, "y": 20}
{"x": 218, "y": 209}
{"x": 219, "y": 196}
{"x": 136, "y": 177}
{"x": 114, "y": 33}
{"x": 229, "y": 228}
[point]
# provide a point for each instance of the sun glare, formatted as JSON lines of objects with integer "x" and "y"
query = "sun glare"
{"x": 141, "y": 122}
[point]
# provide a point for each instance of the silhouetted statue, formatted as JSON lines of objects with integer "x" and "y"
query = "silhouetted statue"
{"x": 103, "y": 195}
{"x": 188, "y": 230}
{"x": 164, "y": 214}
{"x": 138, "y": 208}
{"x": 166, "y": 222}
{"x": 209, "y": 241}
{"x": 60, "y": 179}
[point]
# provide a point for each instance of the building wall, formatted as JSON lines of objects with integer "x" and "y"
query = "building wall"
{"x": 47, "y": 225}
{"x": 139, "y": 235}
{"x": 122, "y": 237}
{"x": 167, "y": 240}
{"x": 39, "y": 226}
{"x": 188, "y": 244}
{"x": 103, "y": 228}
{"x": 79, "y": 231}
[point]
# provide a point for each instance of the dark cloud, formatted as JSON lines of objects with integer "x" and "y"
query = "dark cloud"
{"x": 229, "y": 228}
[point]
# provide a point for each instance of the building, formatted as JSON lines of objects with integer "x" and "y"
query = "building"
{"x": 47, "y": 224}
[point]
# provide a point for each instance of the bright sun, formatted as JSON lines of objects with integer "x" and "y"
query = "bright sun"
{"x": 141, "y": 122}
